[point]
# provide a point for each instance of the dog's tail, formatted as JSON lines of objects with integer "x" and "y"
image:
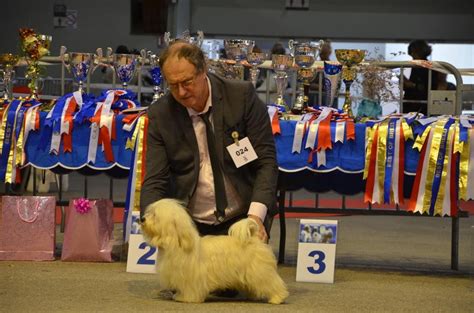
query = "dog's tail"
{"x": 244, "y": 229}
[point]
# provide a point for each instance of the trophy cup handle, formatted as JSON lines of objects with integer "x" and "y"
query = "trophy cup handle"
{"x": 63, "y": 56}
{"x": 291, "y": 45}
{"x": 166, "y": 38}
{"x": 200, "y": 38}
{"x": 97, "y": 59}
{"x": 143, "y": 55}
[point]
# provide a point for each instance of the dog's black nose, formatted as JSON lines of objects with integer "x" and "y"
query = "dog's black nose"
{"x": 142, "y": 219}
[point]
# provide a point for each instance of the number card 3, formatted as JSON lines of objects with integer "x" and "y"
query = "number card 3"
{"x": 316, "y": 251}
{"x": 141, "y": 257}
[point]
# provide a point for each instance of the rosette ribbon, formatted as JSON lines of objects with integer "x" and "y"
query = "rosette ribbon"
{"x": 102, "y": 117}
{"x": 19, "y": 118}
{"x": 435, "y": 190}
{"x": 384, "y": 160}
{"x": 137, "y": 171}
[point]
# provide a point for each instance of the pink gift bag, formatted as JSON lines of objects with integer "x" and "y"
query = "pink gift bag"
{"x": 27, "y": 228}
{"x": 88, "y": 231}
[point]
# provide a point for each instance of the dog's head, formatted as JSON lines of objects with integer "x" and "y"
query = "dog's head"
{"x": 168, "y": 226}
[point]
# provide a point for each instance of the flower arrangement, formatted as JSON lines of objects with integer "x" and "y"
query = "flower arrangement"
{"x": 376, "y": 85}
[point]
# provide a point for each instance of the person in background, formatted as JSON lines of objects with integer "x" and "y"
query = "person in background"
{"x": 443, "y": 83}
{"x": 186, "y": 156}
{"x": 416, "y": 87}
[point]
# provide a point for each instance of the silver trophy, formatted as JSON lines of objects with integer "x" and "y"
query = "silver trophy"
{"x": 80, "y": 64}
{"x": 281, "y": 64}
{"x": 237, "y": 50}
{"x": 124, "y": 65}
{"x": 255, "y": 59}
{"x": 305, "y": 54}
{"x": 186, "y": 36}
{"x": 7, "y": 63}
{"x": 156, "y": 76}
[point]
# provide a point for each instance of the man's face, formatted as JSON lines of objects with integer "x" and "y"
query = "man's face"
{"x": 186, "y": 85}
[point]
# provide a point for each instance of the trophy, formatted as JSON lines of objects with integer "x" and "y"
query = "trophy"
{"x": 304, "y": 76}
{"x": 305, "y": 54}
{"x": 237, "y": 50}
{"x": 7, "y": 62}
{"x": 124, "y": 65}
{"x": 281, "y": 63}
{"x": 34, "y": 47}
{"x": 255, "y": 59}
{"x": 185, "y": 36}
{"x": 348, "y": 58}
{"x": 80, "y": 65}
{"x": 155, "y": 73}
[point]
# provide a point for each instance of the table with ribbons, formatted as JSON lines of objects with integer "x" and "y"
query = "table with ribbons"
{"x": 321, "y": 150}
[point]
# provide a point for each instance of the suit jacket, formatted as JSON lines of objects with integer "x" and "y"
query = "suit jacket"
{"x": 172, "y": 156}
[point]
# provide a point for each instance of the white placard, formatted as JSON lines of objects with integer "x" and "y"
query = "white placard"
{"x": 141, "y": 257}
{"x": 316, "y": 251}
{"x": 242, "y": 153}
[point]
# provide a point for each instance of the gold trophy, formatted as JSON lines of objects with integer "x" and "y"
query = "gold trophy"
{"x": 34, "y": 47}
{"x": 7, "y": 62}
{"x": 349, "y": 58}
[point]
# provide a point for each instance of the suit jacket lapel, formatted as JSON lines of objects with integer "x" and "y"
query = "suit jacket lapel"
{"x": 186, "y": 125}
{"x": 218, "y": 116}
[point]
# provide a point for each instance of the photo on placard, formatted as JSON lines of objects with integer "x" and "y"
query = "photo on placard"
{"x": 318, "y": 233}
{"x": 135, "y": 229}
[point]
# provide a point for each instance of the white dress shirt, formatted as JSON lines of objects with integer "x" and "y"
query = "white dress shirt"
{"x": 203, "y": 204}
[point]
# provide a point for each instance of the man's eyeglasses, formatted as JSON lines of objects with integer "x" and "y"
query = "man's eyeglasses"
{"x": 186, "y": 84}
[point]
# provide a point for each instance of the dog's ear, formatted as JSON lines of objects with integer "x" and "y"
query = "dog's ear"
{"x": 187, "y": 236}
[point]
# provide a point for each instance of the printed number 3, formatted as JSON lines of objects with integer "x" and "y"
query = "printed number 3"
{"x": 144, "y": 260}
{"x": 319, "y": 260}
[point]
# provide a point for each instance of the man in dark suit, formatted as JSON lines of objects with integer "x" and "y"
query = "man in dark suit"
{"x": 180, "y": 147}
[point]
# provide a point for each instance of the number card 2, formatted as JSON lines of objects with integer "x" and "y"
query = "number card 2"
{"x": 141, "y": 257}
{"x": 316, "y": 251}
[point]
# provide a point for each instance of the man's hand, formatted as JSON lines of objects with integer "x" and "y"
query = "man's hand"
{"x": 262, "y": 233}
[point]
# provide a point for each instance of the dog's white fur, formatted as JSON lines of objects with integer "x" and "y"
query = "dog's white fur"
{"x": 195, "y": 266}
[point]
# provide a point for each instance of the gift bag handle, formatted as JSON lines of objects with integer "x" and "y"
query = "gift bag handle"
{"x": 35, "y": 210}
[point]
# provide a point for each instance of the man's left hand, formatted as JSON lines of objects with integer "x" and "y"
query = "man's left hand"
{"x": 262, "y": 233}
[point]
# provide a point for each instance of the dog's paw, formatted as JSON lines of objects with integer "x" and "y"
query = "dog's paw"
{"x": 180, "y": 297}
{"x": 276, "y": 300}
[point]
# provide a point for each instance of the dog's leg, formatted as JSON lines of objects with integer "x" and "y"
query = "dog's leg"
{"x": 268, "y": 285}
{"x": 188, "y": 295}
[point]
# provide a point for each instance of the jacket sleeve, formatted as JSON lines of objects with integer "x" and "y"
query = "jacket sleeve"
{"x": 157, "y": 173}
{"x": 260, "y": 135}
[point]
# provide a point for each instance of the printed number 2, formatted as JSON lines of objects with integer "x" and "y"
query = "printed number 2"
{"x": 144, "y": 260}
{"x": 319, "y": 260}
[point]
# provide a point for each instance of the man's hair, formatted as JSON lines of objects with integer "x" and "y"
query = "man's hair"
{"x": 182, "y": 49}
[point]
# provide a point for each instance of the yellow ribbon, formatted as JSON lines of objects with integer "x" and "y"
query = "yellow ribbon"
{"x": 464, "y": 166}
{"x": 433, "y": 157}
{"x": 438, "y": 208}
{"x": 407, "y": 132}
{"x": 3, "y": 126}
{"x": 369, "y": 137}
{"x": 381, "y": 156}
{"x": 139, "y": 157}
{"x": 420, "y": 140}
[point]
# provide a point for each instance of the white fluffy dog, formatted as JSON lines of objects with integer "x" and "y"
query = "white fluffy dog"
{"x": 195, "y": 266}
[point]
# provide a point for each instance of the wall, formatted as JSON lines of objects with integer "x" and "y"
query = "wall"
{"x": 341, "y": 20}
{"x": 107, "y": 22}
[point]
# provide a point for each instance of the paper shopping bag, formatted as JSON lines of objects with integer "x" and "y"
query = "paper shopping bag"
{"x": 88, "y": 234}
{"x": 27, "y": 228}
